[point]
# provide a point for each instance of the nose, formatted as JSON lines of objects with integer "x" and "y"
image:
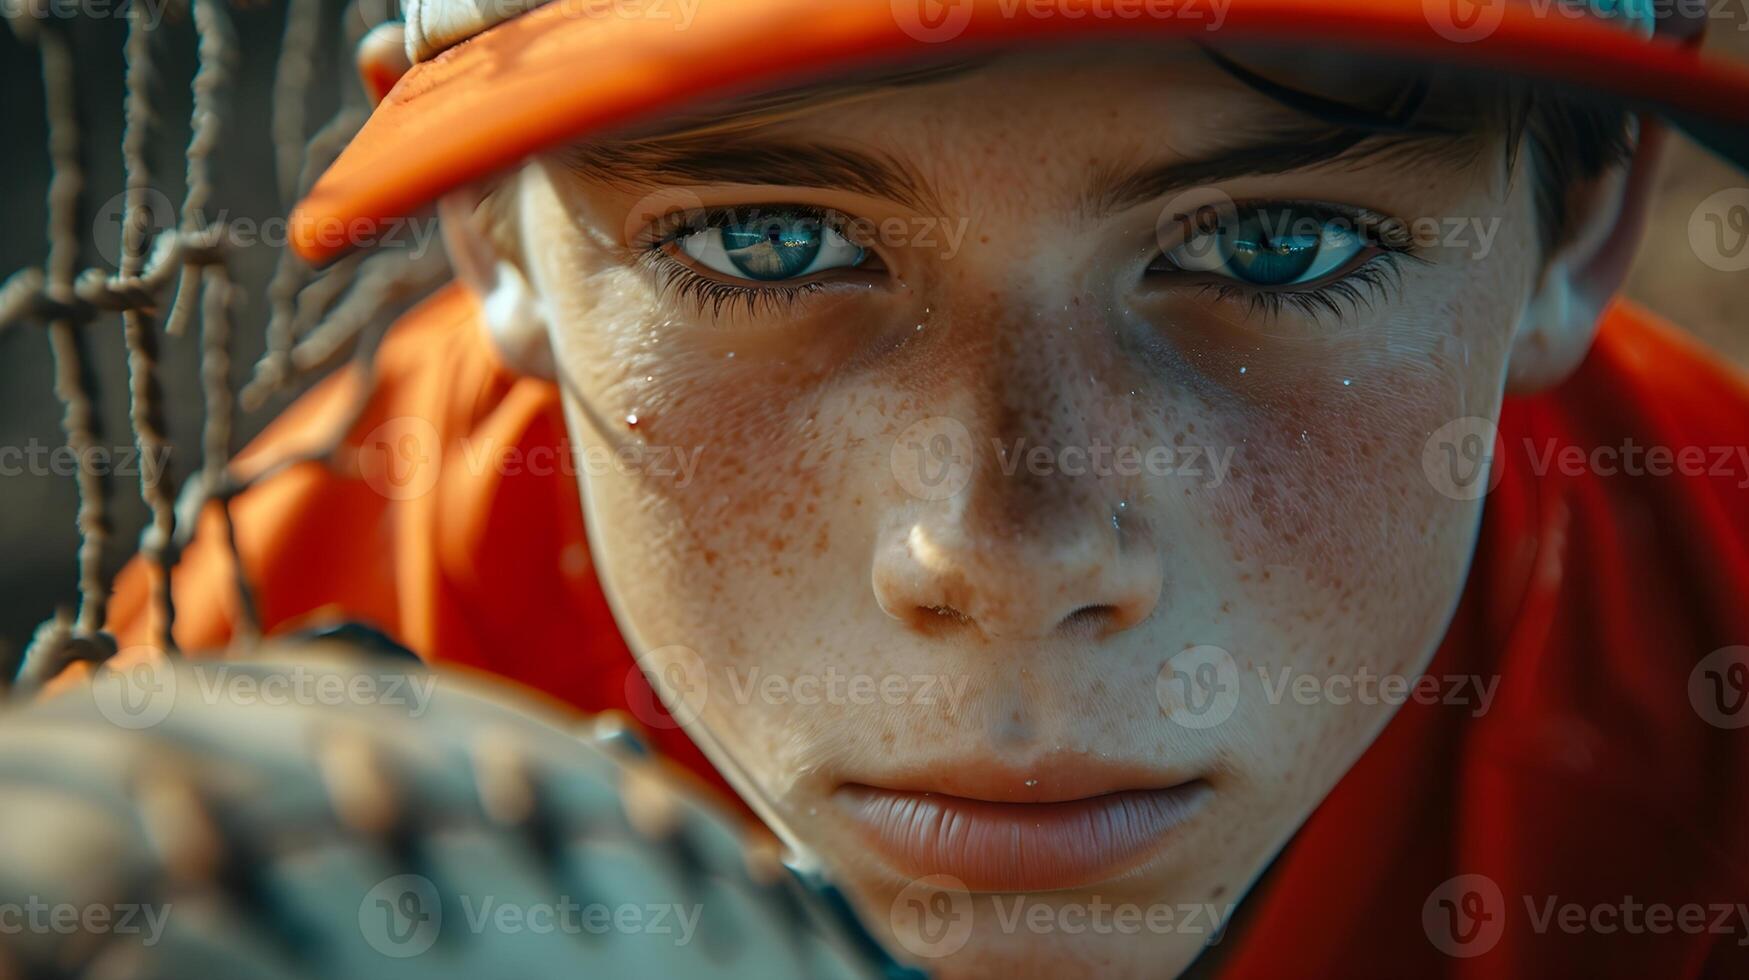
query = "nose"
{"x": 1023, "y": 531}
{"x": 1011, "y": 569}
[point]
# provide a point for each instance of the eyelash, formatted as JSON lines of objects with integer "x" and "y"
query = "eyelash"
{"x": 1375, "y": 280}
{"x": 715, "y": 296}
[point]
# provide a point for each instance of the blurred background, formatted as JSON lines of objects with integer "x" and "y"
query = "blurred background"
{"x": 37, "y": 508}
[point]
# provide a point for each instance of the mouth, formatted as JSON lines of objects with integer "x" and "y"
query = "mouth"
{"x": 1021, "y": 834}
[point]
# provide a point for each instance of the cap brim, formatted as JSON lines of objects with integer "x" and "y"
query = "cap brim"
{"x": 577, "y": 67}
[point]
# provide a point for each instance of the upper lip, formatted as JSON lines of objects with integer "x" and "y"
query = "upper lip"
{"x": 1051, "y": 778}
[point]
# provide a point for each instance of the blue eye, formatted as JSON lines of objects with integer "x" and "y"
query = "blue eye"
{"x": 770, "y": 247}
{"x": 1271, "y": 248}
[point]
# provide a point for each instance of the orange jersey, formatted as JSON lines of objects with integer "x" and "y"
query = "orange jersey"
{"x": 1604, "y": 783}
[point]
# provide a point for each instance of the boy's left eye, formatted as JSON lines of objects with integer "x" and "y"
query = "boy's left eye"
{"x": 770, "y": 248}
{"x": 1271, "y": 248}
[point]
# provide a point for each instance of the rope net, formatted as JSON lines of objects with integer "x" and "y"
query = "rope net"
{"x": 180, "y": 279}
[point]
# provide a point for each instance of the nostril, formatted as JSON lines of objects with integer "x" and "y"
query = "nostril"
{"x": 952, "y": 580}
{"x": 1090, "y": 620}
{"x": 937, "y": 620}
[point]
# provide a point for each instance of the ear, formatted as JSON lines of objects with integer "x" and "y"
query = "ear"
{"x": 1582, "y": 275}
{"x": 382, "y": 59}
{"x": 510, "y": 309}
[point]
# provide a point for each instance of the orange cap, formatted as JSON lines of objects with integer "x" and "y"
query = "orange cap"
{"x": 571, "y": 68}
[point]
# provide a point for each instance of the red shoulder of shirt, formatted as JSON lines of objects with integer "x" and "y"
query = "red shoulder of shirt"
{"x": 1591, "y": 817}
{"x": 1600, "y": 783}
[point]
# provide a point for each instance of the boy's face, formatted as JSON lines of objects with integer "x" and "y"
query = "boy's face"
{"x": 988, "y": 517}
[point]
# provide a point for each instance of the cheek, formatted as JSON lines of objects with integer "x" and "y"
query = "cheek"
{"x": 757, "y": 541}
{"x": 1329, "y": 484}
{"x": 1342, "y": 555}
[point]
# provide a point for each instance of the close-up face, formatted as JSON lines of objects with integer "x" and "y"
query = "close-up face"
{"x": 964, "y": 489}
{"x": 998, "y": 449}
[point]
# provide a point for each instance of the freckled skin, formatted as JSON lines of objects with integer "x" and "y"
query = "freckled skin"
{"x": 796, "y": 548}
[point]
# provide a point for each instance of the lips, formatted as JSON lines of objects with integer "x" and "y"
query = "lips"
{"x": 1024, "y": 840}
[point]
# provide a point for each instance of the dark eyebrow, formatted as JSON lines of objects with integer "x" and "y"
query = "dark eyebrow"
{"x": 754, "y": 161}
{"x": 743, "y": 160}
{"x": 1278, "y": 154}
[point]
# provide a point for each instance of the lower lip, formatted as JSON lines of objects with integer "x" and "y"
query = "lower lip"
{"x": 1015, "y": 847}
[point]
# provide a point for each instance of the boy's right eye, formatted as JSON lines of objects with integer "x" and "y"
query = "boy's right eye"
{"x": 768, "y": 247}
